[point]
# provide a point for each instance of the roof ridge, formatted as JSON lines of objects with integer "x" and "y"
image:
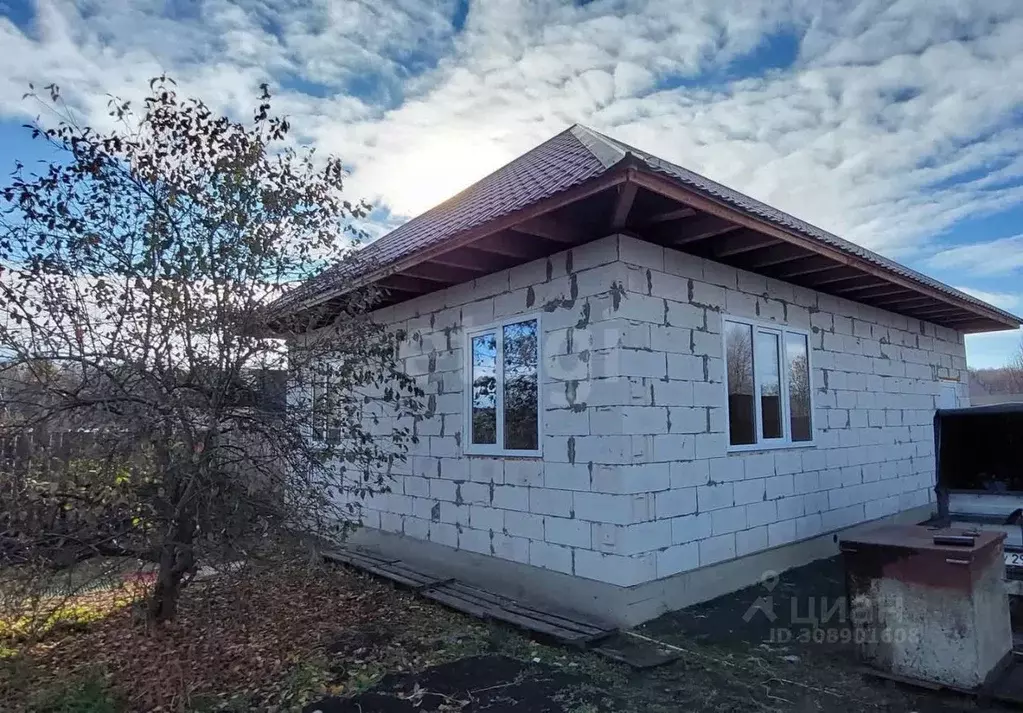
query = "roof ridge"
{"x": 597, "y": 144}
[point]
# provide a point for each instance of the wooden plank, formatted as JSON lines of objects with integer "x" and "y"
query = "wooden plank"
{"x": 776, "y": 255}
{"x": 438, "y": 272}
{"x": 886, "y": 292}
{"x": 835, "y": 279}
{"x": 551, "y": 228}
{"x": 507, "y": 244}
{"x": 903, "y": 302}
{"x": 669, "y": 188}
{"x": 811, "y": 266}
{"x": 859, "y": 288}
{"x": 402, "y": 283}
{"x": 623, "y": 206}
{"x": 741, "y": 242}
{"x": 669, "y": 215}
{"x": 524, "y": 610}
{"x": 465, "y": 259}
{"x": 501, "y": 614}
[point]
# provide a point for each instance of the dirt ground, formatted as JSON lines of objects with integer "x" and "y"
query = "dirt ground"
{"x": 338, "y": 641}
{"x": 735, "y": 656}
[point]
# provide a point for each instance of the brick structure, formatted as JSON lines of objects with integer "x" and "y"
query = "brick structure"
{"x": 636, "y": 481}
{"x": 645, "y": 489}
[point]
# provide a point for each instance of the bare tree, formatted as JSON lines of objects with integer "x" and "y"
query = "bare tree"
{"x": 142, "y": 267}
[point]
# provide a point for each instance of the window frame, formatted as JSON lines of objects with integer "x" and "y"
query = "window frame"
{"x": 486, "y": 449}
{"x": 785, "y": 441}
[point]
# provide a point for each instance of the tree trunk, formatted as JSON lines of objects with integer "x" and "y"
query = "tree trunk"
{"x": 176, "y": 559}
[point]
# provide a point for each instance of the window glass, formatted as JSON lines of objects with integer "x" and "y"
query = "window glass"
{"x": 521, "y": 387}
{"x": 799, "y": 386}
{"x": 484, "y": 389}
{"x": 739, "y": 362}
{"x": 769, "y": 382}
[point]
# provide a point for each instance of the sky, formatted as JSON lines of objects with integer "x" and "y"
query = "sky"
{"x": 896, "y": 124}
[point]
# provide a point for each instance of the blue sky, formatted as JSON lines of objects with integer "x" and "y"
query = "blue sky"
{"x": 897, "y": 124}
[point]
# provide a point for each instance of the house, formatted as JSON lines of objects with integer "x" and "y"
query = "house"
{"x": 647, "y": 389}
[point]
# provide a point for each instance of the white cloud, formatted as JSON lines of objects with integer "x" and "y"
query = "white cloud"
{"x": 887, "y": 104}
{"x": 994, "y": 257}
{"x": 1005, "y": 300}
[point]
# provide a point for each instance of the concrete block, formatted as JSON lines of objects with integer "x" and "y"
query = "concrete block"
{"x": 616, "y": 509}
{"x": 567, "y": 476}
{"x": 631, "y": 539}
{"x": 566, "y": 531}
{"x": 727, "y": 469}
{"x": 524, "y": 524}
{"x": 547, "y": 501}
{"x": 728, "y": 520}
{"x": 715, "y": 497}
{"x": 548, "y": 556}
{"x": 486, "y": 470}
{"x": 616, "y": 569}
{"x": 692, "y": 473}
{"x": 750, "y": 491}
{"x": 482, "y": 517}
{"x": 675, "y": 502}
{"x": 691, "y": 528}
{"x": 515, "y": 549}
{"x": 678, "y": 558}
{"x": 444, "y": 534}
{"x": 750, "y": 541}
{"x": 717, "y": 549}
{"x": 761, "y": 513}
{"x": 641, "y": 253}
{"x": 523, "y": 472}
{"x": 674, "y": 447}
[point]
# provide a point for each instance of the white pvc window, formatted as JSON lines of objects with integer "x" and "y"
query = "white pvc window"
{"x": 767, "y": 376}
{"x": 503, "y": 394}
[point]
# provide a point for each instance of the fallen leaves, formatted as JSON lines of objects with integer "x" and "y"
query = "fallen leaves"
{"x": 266, "y": 639}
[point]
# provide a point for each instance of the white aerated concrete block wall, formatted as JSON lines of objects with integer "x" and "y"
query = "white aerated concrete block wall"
{"x": 636, "y": 482}
{"x": 876, "y": 378}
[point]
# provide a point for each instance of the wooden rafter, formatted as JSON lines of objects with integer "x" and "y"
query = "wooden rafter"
{"x": 776, "y": 255}
{"x": 442, "y": 272}
{"x": 904, "y": 303}
{"x": 402, "y": 283}
{"x": 550, "y": 228}
{"x": 835, "y": 279}
{"x": 810, "y": 267}
{"x": 666, "y": 187}
{"x": 742, "y": 242}
{"x": 623, "y": 206}
{"x": 669, "y": 215}
{"x": 929, "y": 312}
{"x": 694, "y": 230}
{"x": 887, "y": 291}
{"x": 506, "y": 243}
{"x": 860, "y": 288}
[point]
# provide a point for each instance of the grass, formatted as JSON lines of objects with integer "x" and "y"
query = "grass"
{"x": 88, "y": 694}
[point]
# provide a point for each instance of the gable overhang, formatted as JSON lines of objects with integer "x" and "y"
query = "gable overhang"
{"x": 633, "y": 198}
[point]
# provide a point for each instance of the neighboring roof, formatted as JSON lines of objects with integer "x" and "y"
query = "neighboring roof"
{"x": 570, "y": 159}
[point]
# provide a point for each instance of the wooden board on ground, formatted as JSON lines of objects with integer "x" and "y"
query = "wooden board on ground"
{"x": 637, "y": 653}
{"x": 563, "y": 627}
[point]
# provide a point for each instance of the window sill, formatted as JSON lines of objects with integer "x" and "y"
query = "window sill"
{"x": 771, "y": 446}
{"x": 503, "y": 454}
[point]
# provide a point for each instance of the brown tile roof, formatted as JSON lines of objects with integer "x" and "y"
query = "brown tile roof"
{"x": 569, "y": 159}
